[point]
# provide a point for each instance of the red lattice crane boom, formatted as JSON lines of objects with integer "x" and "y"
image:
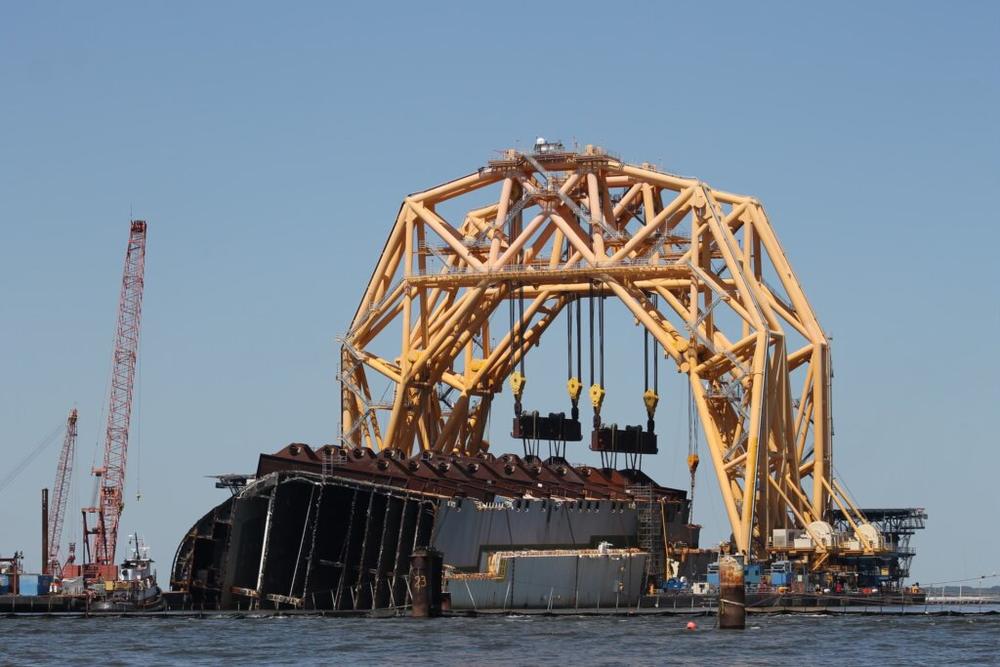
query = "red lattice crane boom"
{"x": 111, "y": 475}
{"x": 60, "y": 491}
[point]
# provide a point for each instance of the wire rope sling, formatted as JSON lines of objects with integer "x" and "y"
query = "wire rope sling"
{"x": 531, "y": 427}
{"x": 608, "y": 439}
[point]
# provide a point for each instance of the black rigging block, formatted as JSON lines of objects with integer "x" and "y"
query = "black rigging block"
{"x": 630, "y": 440}
{"x": 556, "y": 426}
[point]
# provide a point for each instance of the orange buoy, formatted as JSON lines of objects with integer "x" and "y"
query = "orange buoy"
{"x": 692, "y": 625}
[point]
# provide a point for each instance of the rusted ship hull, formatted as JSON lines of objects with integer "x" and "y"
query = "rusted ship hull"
{"x": 334, "y": 528}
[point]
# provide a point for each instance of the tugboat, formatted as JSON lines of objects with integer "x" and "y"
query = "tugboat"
{"x": 135, "y": 589}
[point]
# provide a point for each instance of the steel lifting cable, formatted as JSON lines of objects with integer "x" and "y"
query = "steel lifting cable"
{"x": 600, "y": 306}
{"x": 656, "y": 354}
{"x": 520, "y": 322}
{"x": 614, "y": 445}
{"x": 42, "y": 445}
{"x": 579, "y": 341}
{"x": 637, "y": 459}
{"x": 693, "y": 437}
{"x": 510, "y": 313}
{"x": 645, "y": 358}
{"x": 514, "y": 325}
{"x": 533, "y": 444}
{"x": 512, "y": 233}
{"x": 569, "y": 341}
{"x": 590, "y": 298}
{"x": 690, "y": 410}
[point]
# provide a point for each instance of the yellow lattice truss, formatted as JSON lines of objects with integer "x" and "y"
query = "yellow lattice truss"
{"x": 700, "y": 269}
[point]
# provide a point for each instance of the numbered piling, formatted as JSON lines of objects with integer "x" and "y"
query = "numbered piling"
{"x": 425, "y": 583}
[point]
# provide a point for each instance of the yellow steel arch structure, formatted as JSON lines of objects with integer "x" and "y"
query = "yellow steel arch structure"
{"x": 700, "y": 269}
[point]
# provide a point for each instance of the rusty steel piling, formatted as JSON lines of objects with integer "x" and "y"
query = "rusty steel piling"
{"x": 425, "y": 583}
{"x": 732, "y": 594}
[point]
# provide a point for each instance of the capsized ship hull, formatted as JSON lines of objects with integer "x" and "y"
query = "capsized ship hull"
{"x": 334, "y": 528}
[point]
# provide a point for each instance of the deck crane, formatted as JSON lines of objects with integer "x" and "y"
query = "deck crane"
{"x": 60, "y": 492}
{"x": 101, "y": 539}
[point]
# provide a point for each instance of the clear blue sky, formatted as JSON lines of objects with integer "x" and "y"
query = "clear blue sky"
{"x": 269, "y": 146}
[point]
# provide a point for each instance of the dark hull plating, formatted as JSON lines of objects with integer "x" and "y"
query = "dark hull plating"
{"x": 334, "y": 529}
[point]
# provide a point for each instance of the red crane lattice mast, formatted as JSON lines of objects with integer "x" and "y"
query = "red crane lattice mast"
{"x": 111, "y": 475}
{"x": 60, "y": 492}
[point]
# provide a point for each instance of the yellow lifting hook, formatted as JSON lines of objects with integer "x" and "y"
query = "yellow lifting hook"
{"x": 596, "y": 396}
{"x": 574, "y": 386}
{"x": 651, "y": 399}
{"x": 517, "y": 382}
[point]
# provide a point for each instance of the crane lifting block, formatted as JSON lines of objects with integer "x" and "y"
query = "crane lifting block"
{"x": 651, "y": 400}
{"x": 517, "y": 382}
{"x": 596, "y": 395}
{"x": 556, "y": 427}
{"x": 574, "y": 386}
{"x": 630, "y": 440}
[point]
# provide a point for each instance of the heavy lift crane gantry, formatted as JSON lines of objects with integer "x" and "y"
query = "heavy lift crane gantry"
{"x": 700, "y": 269}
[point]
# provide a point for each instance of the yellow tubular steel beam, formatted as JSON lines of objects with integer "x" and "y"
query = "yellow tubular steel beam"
{"x": 381, "y": 273}
{"x": 577, "y": 238}
{"x": 754, "y": 433}
{"x": 675, "y": 206}
{"x": 858, "y": 514}
{"x": 847, "y": 515}
{"x": 798, "y": 515}
{"x": 447, "y": 233}
{"x": 457, "y": 187}
{"x": 520, "y": 241}
{"x": 670, "y": 344}
{"x": 625, "y": 202}
{"x": 716, "y": 448}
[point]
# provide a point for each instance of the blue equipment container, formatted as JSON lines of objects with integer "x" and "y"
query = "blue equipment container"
{"x": 35, "y": 584}
{"x": 28, "y": 584}
{"x": 781, "y": 573}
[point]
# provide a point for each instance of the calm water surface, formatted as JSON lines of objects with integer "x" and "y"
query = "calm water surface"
{"x": 782, "y": 640}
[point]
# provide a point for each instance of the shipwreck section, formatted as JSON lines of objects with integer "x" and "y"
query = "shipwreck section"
{"x": 334, "y": 529}
{"x": 533, "y": 579}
